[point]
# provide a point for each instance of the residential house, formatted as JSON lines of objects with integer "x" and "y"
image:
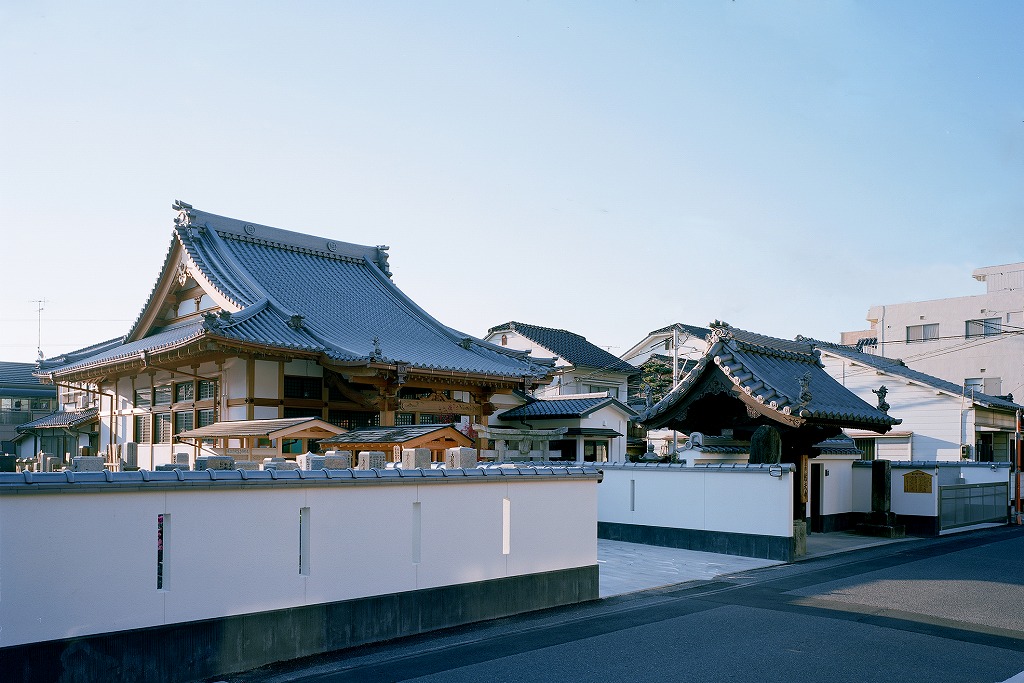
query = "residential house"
{"x": 975, "y": 341}
{"x": 942, "y": 420}
{"x": 598, "y": 418}
{"x": 22, "y": 399}
{"x": 248, "y": 322}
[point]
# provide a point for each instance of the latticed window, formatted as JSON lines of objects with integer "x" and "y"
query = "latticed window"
{"x": 207, "y": 389}
{"x": 143, "y": 398}
{"x": 184, "y": 391}
{"x": 303, "y": 387}
{"x": 405, "y": 419}
{"x": 352, "y": 419}
{"x": 867, "y": 447}
{"x": 205, "y": 417}
{"x": 161, "y": 427}
{"x": 183, "y": 421}
{"x": 162, "y": 395}
{"x": 142, "y": 429}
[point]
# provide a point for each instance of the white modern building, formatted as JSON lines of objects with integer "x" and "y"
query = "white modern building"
{"x": 975, "y": 341}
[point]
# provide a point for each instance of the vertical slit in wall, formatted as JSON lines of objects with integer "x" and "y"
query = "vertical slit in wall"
{"x": 304, "y": 541}
{"x": 163, "y": 523}
{"x": 632, "y": 495}
{"x": 417, "y": 532}
{"x": 506, "y": 526}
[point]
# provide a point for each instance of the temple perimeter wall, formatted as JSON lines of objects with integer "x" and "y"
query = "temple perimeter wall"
{"x": 258, "y": 567}
{"x": 733, "y": 509}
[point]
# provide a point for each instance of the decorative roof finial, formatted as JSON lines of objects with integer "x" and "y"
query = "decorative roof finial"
{"x": 295, "y": 322}
{"x": 805, "y": 388}
{"x": 881, "y": 392}
{"x": 377, "y": 353}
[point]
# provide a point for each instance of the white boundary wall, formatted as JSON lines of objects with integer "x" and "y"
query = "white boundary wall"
{"x": 736, "y": 499}
{"x": 83, "y": 558}
{"x": 942, "y": 473}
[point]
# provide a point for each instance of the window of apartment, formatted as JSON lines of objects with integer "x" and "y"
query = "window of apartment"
{"x": 142, "y": 434}
{"x": 303, "y": 387}
{"x": 867, "y": 447}
{"x": 161, "y": 428}
{"x": 162, "y": 395}
{"x": 41, "y": 404}
{"x": 143, "y": 398}
{"x": 597, "y": 389}
{"x": 207, "y": 389}
{"x": 183, "y": 421}
{"x": 983, "y": 328}
{"x": 184, "y": 391}
{"x": 595, "y": 451}
{"x": 917, "y": 333}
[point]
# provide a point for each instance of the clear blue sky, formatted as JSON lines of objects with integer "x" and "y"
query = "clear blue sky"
{"x": 606, "y": 167}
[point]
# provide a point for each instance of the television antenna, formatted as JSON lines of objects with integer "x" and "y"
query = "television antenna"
{"x": 40, "y": 304}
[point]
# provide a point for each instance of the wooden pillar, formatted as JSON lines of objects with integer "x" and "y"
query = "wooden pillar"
{"x": 250, "y": 386}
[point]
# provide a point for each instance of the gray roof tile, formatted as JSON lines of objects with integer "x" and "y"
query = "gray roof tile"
{"x": 769, "y": 370}
{"x": 562, "y": 408}
{"x": 62, "y": 418}
{"x": 570, "y": 346}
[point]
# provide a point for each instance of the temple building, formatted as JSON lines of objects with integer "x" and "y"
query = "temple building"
{"x": 250, "y": 322}
{"x": 746, "y": 381}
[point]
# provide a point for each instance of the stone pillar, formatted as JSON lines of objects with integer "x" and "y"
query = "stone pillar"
{"x": 881, "y": 521}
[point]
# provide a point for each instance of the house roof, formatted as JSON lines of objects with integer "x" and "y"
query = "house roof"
{"x": 297, "y": 292}
{"x": 564, "y": 407}
{"x": 839, "y": 445}
{"x": 270, "y": 428}
{"x": 569, "y": 346}
{"x": 692, "y": 330}
{"x": 389, "y": 435}
{"x": 62, "y": 419}
{"x": 18, "y": 374}
{"x": 768, "y": 374}
{"x": 896, "y": 367}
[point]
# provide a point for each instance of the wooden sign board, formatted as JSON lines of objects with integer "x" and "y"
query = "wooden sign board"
{"x": 917, "y": 482}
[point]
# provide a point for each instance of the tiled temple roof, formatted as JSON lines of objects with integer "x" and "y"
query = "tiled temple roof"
{"x": 294, "y": 291}
{"x": 771, "y": 372}
{"x": 572, "y": 347}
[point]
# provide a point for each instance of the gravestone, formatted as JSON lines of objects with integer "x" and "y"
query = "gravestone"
{"x": 416, "y": 458}
{"x": 765, "y": 446}
{"x": 372, "y": 460}
{"x": 460, "y": 457}
{"x": 215, "y": 462}
{"x": 337, "y": 460}
{"x": 87, "y": 463}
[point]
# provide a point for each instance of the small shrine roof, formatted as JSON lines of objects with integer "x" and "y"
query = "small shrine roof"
{"x": 781, "y": 379}
{"x": 61, "y": 419}
{"x": 564, "y": 407}
{"x": 390, "y": 435}
{"x": 270, "y": 428}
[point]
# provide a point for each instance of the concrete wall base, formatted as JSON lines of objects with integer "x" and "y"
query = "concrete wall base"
{"x": 747, "y": 545}
{"x": 202, "y": 649}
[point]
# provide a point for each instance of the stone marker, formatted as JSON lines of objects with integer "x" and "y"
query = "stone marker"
{"x": 87, "y": 463}
{"x": 460, "y": 457}
{"x": 416, "y": 458}
{"x": 337, "y": 460}
{"x": 881, "y": 521}
{"x": 215, "y": 462}
{"x": 372, "y": 460}
{"x": 765, "y": 446}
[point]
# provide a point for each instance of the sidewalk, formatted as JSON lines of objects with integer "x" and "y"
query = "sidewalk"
{"x": 631, "y": 567}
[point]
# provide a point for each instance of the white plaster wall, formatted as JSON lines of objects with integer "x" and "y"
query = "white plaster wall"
{"x": 737, "y": 501}
{"x": 837, "y": 486}
{"x": 236, "y": 551}
{"x": 265, "y": 379}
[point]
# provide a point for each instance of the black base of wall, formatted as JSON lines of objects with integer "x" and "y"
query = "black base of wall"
{"x": 747, "y": 545}
{"x": 202, "y": 649}
{"x": 842, "y": 521}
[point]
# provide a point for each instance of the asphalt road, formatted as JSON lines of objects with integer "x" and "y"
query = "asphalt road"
{"x": 947, "y": 609}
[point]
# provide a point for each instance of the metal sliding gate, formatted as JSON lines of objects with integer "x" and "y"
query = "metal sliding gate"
{"x": 965, "y": 504}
